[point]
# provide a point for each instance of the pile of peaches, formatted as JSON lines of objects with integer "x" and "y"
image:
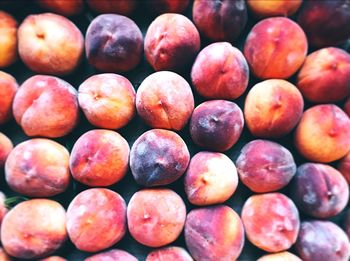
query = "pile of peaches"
{"x": 212, "y": 130}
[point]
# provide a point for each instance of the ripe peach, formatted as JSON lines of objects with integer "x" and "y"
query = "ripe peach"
{"x": 271, "y": 221}
{"x": 165, "y": 100}
{"x": 107, "y": 100}
{"x": 34, "y": 229}
{"x": 171, "y": 43}
{"x": 8, "y": 40}
{"x": 38, "y": 168}
{"x": 169, "y": 253}
{"x": 270, "y": 51}
{"x": 113, "y": 43}
{"x": 347, "y": 107}
{"x": 323, "y": 133}
{"x": 344, "y": 167}
{"x": 3, "y": 208}
{"x": 50, "y": 51}
{"x": 53, "y": 258}
{"x": 63, "y": 7}
{"x": 220, "y": 71}
{"x": 46, "y": 106}
{"x": 220, "y": 20}
{"x": 167, "y": 6}
{"x": 267, "y": 8}
{"x": 122, "y": 7}
{"x": 8, "y": 89}
{"x": 325, "y": 75}
{"x": 156, "y": 217}
{"x": 6, "y": 147}
{"x": 3, "y": 255}
{"x": 216, "y": 125}
{"x": 96, "y": 219}
{"x": 112, "y": 255}
{"x": 282, "y": 256}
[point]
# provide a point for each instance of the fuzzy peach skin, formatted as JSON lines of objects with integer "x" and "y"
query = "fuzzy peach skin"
{"x": 271, "y": 221}
{"x": 171, "y": 43}
{"x": 211, "y": 178}
{"x": 282, "y": 256}
{"x": 8, "y": 39}
{"x": 34, "y": 229}
{"x": 46, "y": 106}
{"x": 169, "y": 253}
{"x": 8, "y": 89}
{"x": 6, "y": 147}
{"x": 53, "y": 258}
{"x": 220, "y": 71}
{"x": 165, "y": 100}
{"x": 4, "y": 256}
{"x": 323, "y": 133}
{"x": 344, "y": 167}
{"x": 166, "y": 6}
{"x": 107, "y": 100}
{"x": 220, "y": 20}
{"x": 214, "y": 233}
{"x": 3, "y": 208}
{"x": 112, "y": 255}
{"x": 63, "y": 7}
{"x": 268, "y": 8}
{"x": 325, "y": 76}
{"x": 270, "y": 51}
{"x": 96, "y": 219}
{"x": 122, "y": 7}
{"x": 156, "y": 217}
{"x": 38, "y": 168}
{"x": 99, "y": 158}
{"x": 347, "y": 107}
{"x": 273, "y": 108}
{"x": 50, "y": 44}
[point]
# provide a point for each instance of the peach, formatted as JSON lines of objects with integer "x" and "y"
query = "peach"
{"x": 6, "y": 147}
{"x": 271, "y": 221}
{"x": 322, "y": 240}
{"x": 123, "y": 7}
{"x": 211, "y": 178}
{"x": 265, "y": 166}
{"x": 344, "y": 167}
{"x": 273, "y": 108}
{"x": 319, "y": 190}
{"x": 3, "y": 208}
{"x": 8, "y": 89}
{"x": 156, "y": 217}
{"x": 220, "y": 20}
{"x": 347, "y": 107}
{"x": 165, "y": 100}
{"x": 113, "y": 43}
{"x": 112, "y": 255}
{"x": 50, "y": 51}
{"x": 38, "y": 168}
{"x": 270, "y": 51}
{"x": 107, "y": 100}
{"x": 214, "y": 233}
{"x": 323, "y": 133}
{"x": 267, "y": 8}
{"x": 96, "y": 219}
{"x": 46, "y": 106}
{"x": 325, "y": 75}
{"x": 3, "y": 255}
{"x": 34, "y": 229}
{"x": 171, "y": 43}
{"x": 169, "y": 253}
{"x": 99, "y": 158}
{"x": 216, "y": 125}
{"x": 220, "y": 71}
{"x": 282, "y": 256}
{"x": 8, "y": 40}
{"x": 53, "y": 258}
{"x": 158, "y": 157}
{"x": 167, "y": 6}
{"x": 63, "y": 7}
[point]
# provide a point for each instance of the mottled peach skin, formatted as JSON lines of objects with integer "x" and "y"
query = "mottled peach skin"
{"x": 322, "y": 240}
{"x": 107, "y": 100}
{"x": 214, "y": 233}
{"x": 267, "y": 8}
{"x": 166, "y": 6}
{"x": 282, "y": 256}
{"x": 328, "y": 142}
{"x": 216, "y": 125}
{"x": 63, "y": 7}
{"x": 8, "y": 89}
{"x": 99, "y": 158}
{"x": 271, "y": 221}
{"x": 220, "y": 20}
{"x": 169, "y": 253}
{"x": 96, "y": 219}
{"x": 38, "y": 168}
{"x": 8, "y": 40}
{"x": 53, "y": 258}
{"x": 156, "y": 217}
{"x": 344, "y": 167}
{"x": 3, "y": 208}
{"x": 158, "y": 157}
{"x": 46, "y": 106}
{"x": 34, "y": 229}
{"x": 6, "y": 147}
{"x": 347, "y": 107}
{"x": 326, "y": 23}
{"x": 220, "y": 71}
{"x": 165, "y": 100}
{"x": 171, "y": 43}
{"x": 319, "y": 190}
{"x": 113, "y": 43}
{"x": 3, "y": 255}
{"x": 265, "y": 166}
{"x": 50, "y": 51}
{"x": 211, "y": 178}
{"x": 122, "y": 7}
{"x": 112, "y": 255}
{"x": 273, "y": 108}
{"x": 269, "y": 50}
{"x": 325, "y": 75}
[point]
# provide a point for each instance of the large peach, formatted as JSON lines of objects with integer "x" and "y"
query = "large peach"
{"x": 268, "y": 8}
{"x": 8, "y": 89}
{"x": 112, "y": 255}
{"x": 282, "y": 256}
{"x": 167, "y": 6}
{"x": 344, "y": 167}
{"x": 169, "y": 253}
{"x": 8, "y": 39}
{"x": 6, "y": 147}
{"x": 123, "y": 7}
{"x": 63, "y": 7}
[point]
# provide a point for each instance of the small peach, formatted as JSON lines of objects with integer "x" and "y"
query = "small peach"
{"x": 268, "y": 8}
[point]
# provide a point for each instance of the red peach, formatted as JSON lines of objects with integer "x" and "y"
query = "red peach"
{"x": 268, "y": 8}
{"x": 112, "y": 255}
{"x": 8, "y": 39}
{"x": 344, "y": 167}
{"x": 123, "y": 7}
{"x": 167, "y": 6}
{"x": 6, "y": 147}
{"x": 8, "y": 89}
{"x": 169, "y": 253}
{"x": 63, "y": 7}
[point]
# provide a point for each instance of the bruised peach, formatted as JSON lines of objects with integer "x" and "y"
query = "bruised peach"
{"x": 220, "y": 71}
{"x": 96, "y": 219}
{"x": 169, "y": 253}
{"x": 156, "y": 217}
{"x": 344, "y": 167}
{"x": 166, "y": 6}
{"x": 323, "y": 133}
{"x": 34, "y": 229}
{"x": 6, "y": 147}
{"x": 8, "y": 89}
{"x": 282, "y": 256}
{"x": 123, "y": 7}
{"x": 53, "y": 258}
{"x": 270, "y": 51}
{"x": 268, "y": 8}
{"x": 63, "y": 7}
{"x": 3, "y": 208}
{"x": 3, "y": 255}
{"x": 8, "y": 39}
{"x": 165, "y": 100}
{"x": 112, "y": 255}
